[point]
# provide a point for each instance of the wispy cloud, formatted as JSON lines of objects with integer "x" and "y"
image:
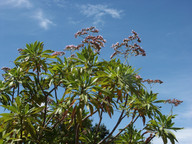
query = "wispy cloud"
{"x": 43, "y": 21}
{"x": 98, "y": 11}
{"x": 38, "y": 15}
{"x": 16, "y": 3}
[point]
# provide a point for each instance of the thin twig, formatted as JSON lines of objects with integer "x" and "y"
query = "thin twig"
{"x": 147, "y": 142}
{"x": 18, "y": 90}
{"x": 76, "y": 132}
{"x": 56, "y": 94}
{"x": 97, "y": 129}
{"x": 13, "y": 94}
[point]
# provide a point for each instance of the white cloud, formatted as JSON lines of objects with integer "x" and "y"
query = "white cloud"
{"x": 38, "y": 15}
{"x": 98, "y": 11}
{"x": 16, "y": 3}
{"x": 183, "y": 136}
{"x": 43, "y": 21}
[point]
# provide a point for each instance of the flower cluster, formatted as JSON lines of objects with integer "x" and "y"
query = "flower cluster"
{"x": 86, "y": 30}
{"x": 58, "y": 53}
{"x": 95, "y": 41}
{"x": 73, "y": 47}
{"x": 133, "y": 49}
{"x": 149, "y": 81}
{"x": 174, "y": 101}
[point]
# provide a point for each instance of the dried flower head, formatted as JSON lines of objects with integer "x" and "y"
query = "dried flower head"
{"x": 149, "y": 81}
{"x": 130, "y": 45}
{"x": 85, "y": 31}
{"x": 20, "y": 50}
{"x": 94, "y": 41}
{"x": 5, "y": 69}
{"x": 58, "y": 53}
{"x": 176, "y": 102}
{"x": 70, "y": 47}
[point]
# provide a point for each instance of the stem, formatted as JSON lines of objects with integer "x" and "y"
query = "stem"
{"x": 46, "y": 96}
{"x": 100, "y": 119}
{"x": 131, "y": 122}
{"x": 77, "y": 127}
{"x": 118, "y": 122}
{"x": 61, "y": 119}
{"x": 131, "y": 138}
{"x": 13, "y": 94}
{"x": 45, "y": 111}
{"x": 48, "y": 121}
{"x": 56, "y": 94}
{"x": 126, "y": 60}
{"x": 97, "y": 129}
{"x": 147, "y": 142}
{"x": 89, "y": 115}
{"x": 53, "y": 89}
{"x": 171, "y": 109}
{"x": 76, "y": 132}
{"x": 18, "y": 90}
{"x": 21, "y": 136}
{"x": 77, "y": 135}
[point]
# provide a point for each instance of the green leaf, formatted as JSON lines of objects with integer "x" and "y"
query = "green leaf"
{"x": 11, "y": 108}
{"x": 36, "y": 110}
{"x": 47, "y": 51}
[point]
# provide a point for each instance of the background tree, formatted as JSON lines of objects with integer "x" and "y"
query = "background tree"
{"x": 51, "y": 99}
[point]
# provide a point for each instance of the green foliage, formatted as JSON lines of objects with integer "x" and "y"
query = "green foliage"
{"x": 50, "y": 99}
{"x": 162, "y": 126}
{"x": 94, "y": 134}
{"x": 131, "y": 136}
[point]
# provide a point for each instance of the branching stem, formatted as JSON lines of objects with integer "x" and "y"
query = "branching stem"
{"x": 118, "y": 122}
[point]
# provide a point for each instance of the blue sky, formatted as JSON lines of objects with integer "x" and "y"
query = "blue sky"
{"x": 165, "y": 27}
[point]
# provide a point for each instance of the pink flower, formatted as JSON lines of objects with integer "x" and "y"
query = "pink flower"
{"x": 134, "y": 32}
{"x": 115, "y": 45}
{"x": 6, "y": 68}
{"x": 70, "y": 47}
{"x": 80, "y": 45}
{"x": 58, "y": 53}
{"x": 125, "y": 40}
{"x": 20, "y": 49}
{"x": 138, "y": 76}
{"x": 95, "y": 31}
